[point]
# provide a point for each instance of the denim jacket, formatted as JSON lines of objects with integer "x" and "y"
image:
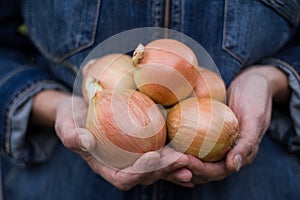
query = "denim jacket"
{"x": 235, "y": 33}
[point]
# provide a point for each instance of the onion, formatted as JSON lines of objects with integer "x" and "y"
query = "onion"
{"x": 126, "y": 124}
{"x": 166, "y": 70}
{"x": 209, "y": 85}
{"x": 113, "y": 71}
{"x": 202, "y": 127}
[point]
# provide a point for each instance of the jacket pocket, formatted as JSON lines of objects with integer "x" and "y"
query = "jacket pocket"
{"x": 63, "y": 28}
{"x": 252, "y": 30}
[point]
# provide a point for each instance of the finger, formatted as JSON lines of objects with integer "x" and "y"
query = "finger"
{"x": 182, "y": 175}
{"x": 243, "y": 152}
{"x": 123, "y": 180}
{"x": 172, "y": 159}
{"x": 141, "y": 172}
{"x": 247, "y": 145}
{"x": 146, "y": 163}
{"x": 163, "y": 164}
{"x": 204, "y": 172}
{"x": 78, "y": 139}
{"x": 79, "y": 111}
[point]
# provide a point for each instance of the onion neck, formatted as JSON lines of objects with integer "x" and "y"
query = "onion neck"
{"x": 138, "y": 54}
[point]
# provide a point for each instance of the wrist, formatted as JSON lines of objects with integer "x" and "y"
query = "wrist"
{"x": 44, "y": 107}
{"x": 277, "y": 81}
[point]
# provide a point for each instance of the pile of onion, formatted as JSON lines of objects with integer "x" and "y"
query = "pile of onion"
{"x": 123, "y": 93}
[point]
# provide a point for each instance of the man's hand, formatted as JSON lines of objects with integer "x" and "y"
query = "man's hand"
{"x": 250, "y": 96}
{"x": 70, "y": 123}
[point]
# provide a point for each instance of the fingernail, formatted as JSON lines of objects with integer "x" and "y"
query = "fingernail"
{"x": 84, "y": 142}
{"x": 237, "y": 161}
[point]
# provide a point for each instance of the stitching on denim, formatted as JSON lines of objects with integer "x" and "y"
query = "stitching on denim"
{"x": 12, "y": 73}
{"x": 182, "y": 13}
{"x": 92, "y": 36}
{"x": 296, "y": 166}
{"x": 176, "y": 14}
{"x": 8, "y": 76}
{"x": 73, "y": 67}
{"x": 225, "y": 31}
{"x": 156, "y": 13}
{"x": 12, "y": 106}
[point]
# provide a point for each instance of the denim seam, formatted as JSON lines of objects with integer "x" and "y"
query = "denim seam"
{"x": 71, "y": 66}
{"x": 296, "y": 166}
{"x": 12, "y": 106}
{"x": 7, "y": 77}
{"x": 225, "y": 30}
{"x": 93, "y": 33}
{"x": 12, "y": 73}
{"x": 182, "y": 13}
{"x": 156, "y": 8}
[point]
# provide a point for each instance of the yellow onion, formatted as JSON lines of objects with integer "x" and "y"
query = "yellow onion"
{"x": 202, "y": 127}
{"x": 125, "y": 124}
{"x": 112, "y": 71}
{"x": 209, "y": 85}
{"x": 165, "y": 70}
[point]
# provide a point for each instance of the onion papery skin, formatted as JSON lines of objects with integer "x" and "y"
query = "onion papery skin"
{"x": 209, "y": 85}
{"x": 202, "y": 127}
{"x": 175, "y": 47}
{"x": 112, "y": 71}
{"x": 166, "y": 73}
{"x": 125, "y": 124}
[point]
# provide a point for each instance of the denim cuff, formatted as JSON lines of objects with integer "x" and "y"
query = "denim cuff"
{"x": 31, "y": 144}
{"x": 17, "y": 139}
{"x": 285, "y": 124}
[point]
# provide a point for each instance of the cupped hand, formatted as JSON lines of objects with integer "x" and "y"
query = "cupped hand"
{"x": 250, "y": 96}
{"x": 165, "y": 164}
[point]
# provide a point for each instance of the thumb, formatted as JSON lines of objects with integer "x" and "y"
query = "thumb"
{"x": 244, "y": 151}
{"x": 147, "y": 162}
{"x": 86, "y": 140}
{"x": 79, "y": 139}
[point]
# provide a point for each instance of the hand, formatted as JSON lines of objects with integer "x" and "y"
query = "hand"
{"x": 250, "y": 96}
{"x": 70, "y": 123}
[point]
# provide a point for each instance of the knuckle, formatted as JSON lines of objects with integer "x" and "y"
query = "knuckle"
{"x": 57, "y": 128}
{"x": 68, "y": 141}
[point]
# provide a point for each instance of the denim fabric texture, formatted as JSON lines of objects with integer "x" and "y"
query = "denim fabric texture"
{"x": 235, "y": 33}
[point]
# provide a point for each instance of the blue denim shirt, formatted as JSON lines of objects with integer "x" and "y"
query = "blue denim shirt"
{"x": 235, "y": 33}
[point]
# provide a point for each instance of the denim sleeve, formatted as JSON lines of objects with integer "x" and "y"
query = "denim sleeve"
{"x": 285, "y": 124}
{"x": 19, "y": 82}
